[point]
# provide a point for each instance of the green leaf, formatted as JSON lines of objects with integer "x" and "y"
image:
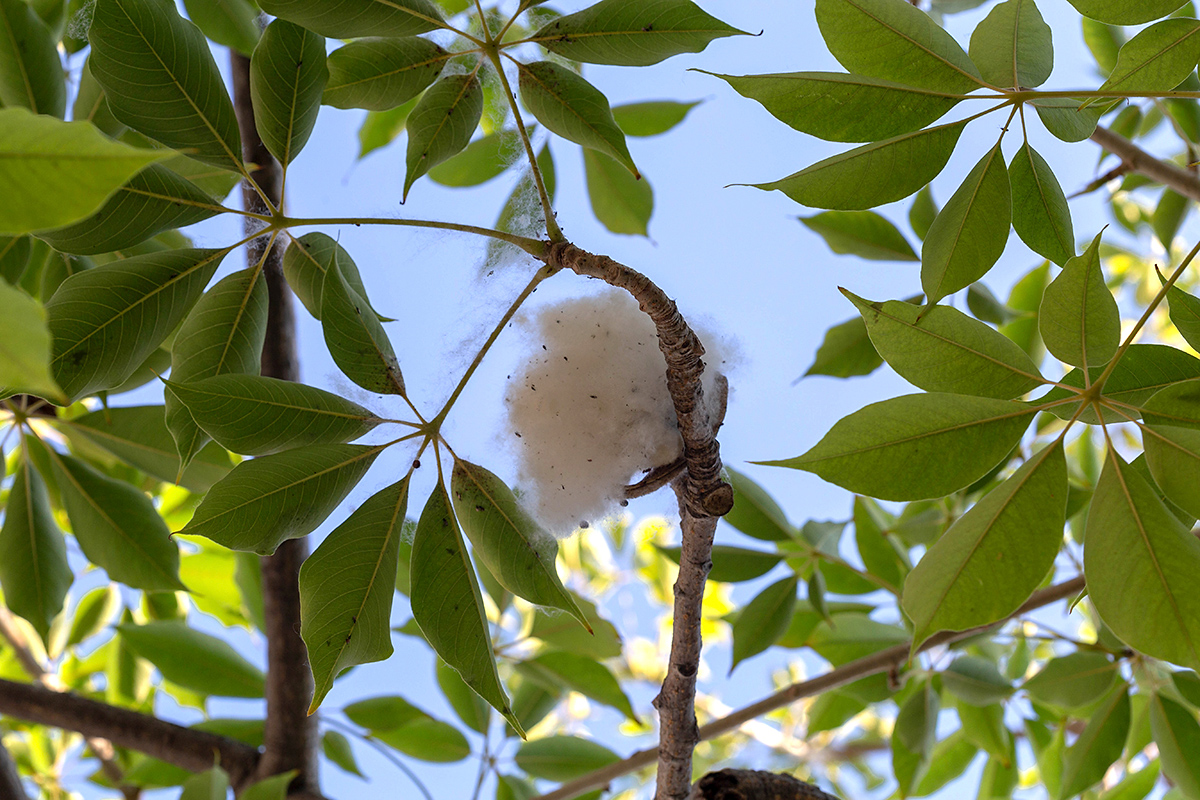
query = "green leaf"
{"x": 441, "y": 124}
{"x": 192, "y": 659}
{"x": 984, "y": 726}
{"x": 922, "y": 212}
{"x": 223, "y": 333}
{"x": 138, "y": 435}
{"x": 355, "y": 338}
{"x": 91, "y": 105}
{"x": 117, "y": 527}
{"x": 210, "y": 785}
{"x": 632, "y": 33}
{"x": 272, "y": 788}
{"x": 1079, "y": 320}
{"x": 976, "y": 681}
{"x": 380, "y": 128}
{"x": 106, "y": 321}
{"x": 621, "y": 202}
{"x": 337, "y": 749}
{"x": 1125, "y": 12}
{"x": 861, "y": 233}
{"x": 350, "y": 19}
{"x": 916, "y": 446}
{"x": 580, "y": 674}
{"x": 1168, "y": 215}
{"x": 1040, "y": 215}
{"x": 54, "y": 173}
{"x": 93, "y": 613}
{"x": 305, "y": 262}
{"x": 510, "y": 543}
{"x": 34, "y": 572}
{"x": 875, "y": 545}
{"x": 1157, "y": 59}
{"x": 561, "y": 758}
{"x": 1143, "y": 370}
{"x": 843, "y": 108}
{"x": 232, "y": 23}
{"x": 941, "y": 349}
{"x": 1104, "y": 41}
{"x": 764, "y": 619}
{"x": 14, "y": 257}
{"x": 346, "y": 589}
{"x": 874, "y": 174}
{"x": 160, "y": 79}
{"x": 270, "y": 499}
{"x": 480, "y": 161}
{"x": 651, "y": 118}
{"x": 254, "y": 416}
{"x": 949, "y": 759}
{"x": 154, "y": 200}
{"x": 1178, "y": 738}
{"x": 381, "y": 74}
{"x": 574, "y": 109}
{"x": 897, "y": 42}
{"x": 1012, "y": 46}
{"x": 427, "y": 739}
{"x": 287, "y": 77}
{"x": 1064, "y": 118}
{"x": 560, "y": 631}
{"x": 1173, "y": 456}
{"x": 1135, "y": 547}
{"x": 847, "y": 351}
{"x": 852, "y": 635}
{"x": 755, "y": 513}
{"x": 1100, "y": 744}
{"x": 25, "y": 345}
{"x": 732, "y": 564}
{"x": 994, "y": 556}
{"x": 914, "y": 735}
{"x": 31, "y": 75}
{"x": 470, "y": 707}
{"x": 970, "y": 231}
{"x": 447, "y": 605}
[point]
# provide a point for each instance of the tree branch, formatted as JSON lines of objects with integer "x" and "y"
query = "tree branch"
{"x": 1156, "y": 169}
{"x": 290, "y": 735}
{"x": 746, "y": 784}
{"x": 11, "y": 787}
{"x": 883, "y": 661}
{"x": 190, "y": 749}
{"x": 703, "y": 498}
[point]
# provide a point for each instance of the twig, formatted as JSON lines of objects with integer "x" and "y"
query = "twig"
{"x": 1138, "y": 160}
{"x": 883, "y": 661}
{"x": 703, "y": 498}
{"x": 290, "y": 735}
{"x": 190, "y": 749}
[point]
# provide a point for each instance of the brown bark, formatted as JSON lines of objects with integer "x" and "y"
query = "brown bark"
{"x": 746, "y": 784}
{"x": 885, "y": 660}
{"x": 290, "y": 736}
{"x": 1138, "y": 160}
{"x": 703, "y": 498}
{"x": 190, "y": 749}
{"x": 11, "y": 787}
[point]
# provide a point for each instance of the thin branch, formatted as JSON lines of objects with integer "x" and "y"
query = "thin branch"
{"x": 703, "y": 498}
{"x": 883, "y": 661}
{"x": 1141, "y": 162}
{"x": 11, "y": 787}
{"x": 290, "y": 735}
{"x": 190, "y": 749}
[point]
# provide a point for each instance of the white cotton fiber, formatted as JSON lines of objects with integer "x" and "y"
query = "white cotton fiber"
{"x": 590, "y": 410}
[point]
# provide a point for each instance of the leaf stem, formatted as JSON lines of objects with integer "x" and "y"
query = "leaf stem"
{"x": 542, "y": 274}
{"x": 533, "y": 247}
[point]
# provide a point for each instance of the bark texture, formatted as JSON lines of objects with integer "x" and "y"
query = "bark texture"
{"x": 1135, "y": 159}
{"x": 290, "y": 735}
{"x": 11, "y": 787}
{"x": 746, "y": 784}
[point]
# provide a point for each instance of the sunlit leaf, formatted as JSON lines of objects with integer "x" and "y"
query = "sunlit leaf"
{"x": 1079, "y": 320}
{"x": 846, "y": 351}
{"x": 895, "y": 41}
{"x": 106, "y": 321}
{"x": 581, "y": 674}
{"x": 1135, "y": 547}
{"x": 1143, "y": 370}
{"x": 1074, "y": 680}
{"x": 348, "y": 19}
{"x": 1011, "y": 46}
{"x": 621, "y": 202}
{"x": 651, "y": 118}
{"x": 994, "y": 556}
{"x": 842, "y": 108}
{"x": 970, "y": 231}
{"x": 861, "y": 233}
{"x": 1098, "y": 746}
{"x": 732, "y": 564}
{"x": 1125, "y": 12}
{"x": 561, "y": 758}
{"x": 916, "y": 446}
{"x": 117, "y": 527}
{"x": 54, "y": 173}
{"x": 270, "y": 499}
{"x": 480, "y": 161}
{"x": 346, "y": 589}
{"x": 25, "y": 345}
{"x": 336, "y": 747}
{"x": 287, "y": 77}
{"x": 976, "y": 680}
{"x": 381, "y": 74}
{"x": 254, "y": 415}
{"x": 1157, "y": 59}
{"x": 161, "y": 80}
{"x": 232, "y": 23}
{"x": 563, "y": 632}
{"x": 874, "y": 174}
{"x": 192, "y": 659}
{"x": 632, "y": 33}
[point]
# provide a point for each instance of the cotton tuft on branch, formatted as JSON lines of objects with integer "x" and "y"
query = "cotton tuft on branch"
{"x": 591, "y": 408}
